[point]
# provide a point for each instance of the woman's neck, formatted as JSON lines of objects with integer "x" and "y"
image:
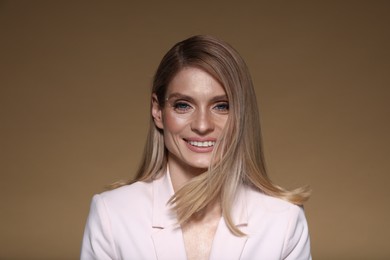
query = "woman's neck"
{"x": 181, "y": 174}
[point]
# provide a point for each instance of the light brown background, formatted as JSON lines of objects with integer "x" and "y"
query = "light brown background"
{"x": 75, "y": 80}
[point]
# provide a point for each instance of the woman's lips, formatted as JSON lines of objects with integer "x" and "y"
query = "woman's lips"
{"x": 200, "y": 146}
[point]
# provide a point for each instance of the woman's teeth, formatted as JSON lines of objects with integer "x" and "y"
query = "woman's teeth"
{"x": 201, "y": 144}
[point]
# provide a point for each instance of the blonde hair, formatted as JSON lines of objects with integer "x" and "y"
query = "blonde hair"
{"x": 238, "y": 155}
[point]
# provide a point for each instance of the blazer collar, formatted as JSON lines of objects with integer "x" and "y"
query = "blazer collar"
{"x": 163, "y": 215}
{"x": 239, "y": 207}
{"x": 225, "y": 244}
{"x": 167, "y": 232}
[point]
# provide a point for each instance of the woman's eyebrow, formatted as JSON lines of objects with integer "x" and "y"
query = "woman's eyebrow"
{"x": 177, "y": 95}
{"x": 219, "y": 98}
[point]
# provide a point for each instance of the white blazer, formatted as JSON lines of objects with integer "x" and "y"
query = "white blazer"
{"x": 135, "y": 222}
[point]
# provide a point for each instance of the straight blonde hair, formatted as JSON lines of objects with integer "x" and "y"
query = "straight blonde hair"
{"x": 238, "y": 154}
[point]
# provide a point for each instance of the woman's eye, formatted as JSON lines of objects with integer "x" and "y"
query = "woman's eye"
{"x": 223, "y": 107}
{"x": 181, "y": 106}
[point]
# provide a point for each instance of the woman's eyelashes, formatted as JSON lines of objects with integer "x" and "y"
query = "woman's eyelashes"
{"x": 184, "y": 107}
{"x": 222, "y": 107}
{"x": 181, "y": 106}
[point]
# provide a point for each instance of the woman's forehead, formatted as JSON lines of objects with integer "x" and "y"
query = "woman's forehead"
{"x": 194, "y": 81}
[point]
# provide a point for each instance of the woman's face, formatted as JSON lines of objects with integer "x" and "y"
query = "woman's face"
{"x": 195, "y": 112}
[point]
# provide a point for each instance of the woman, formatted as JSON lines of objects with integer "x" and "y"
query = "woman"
{"x": 202, "y": 191}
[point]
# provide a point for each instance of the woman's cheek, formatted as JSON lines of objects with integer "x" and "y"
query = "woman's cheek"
{"x": 174, "y": 123}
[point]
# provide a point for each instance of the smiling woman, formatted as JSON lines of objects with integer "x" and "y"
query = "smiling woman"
{"x": 202, "y": 187}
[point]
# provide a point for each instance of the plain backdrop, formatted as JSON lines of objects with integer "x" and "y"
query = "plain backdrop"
{"x": 74, "y": 109}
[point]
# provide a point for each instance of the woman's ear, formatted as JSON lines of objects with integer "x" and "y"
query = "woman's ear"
{"x": 156, "y": 112}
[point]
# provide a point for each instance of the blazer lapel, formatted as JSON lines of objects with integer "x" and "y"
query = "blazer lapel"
{"x": 225, "y": 244}
{"x": 167, "y": 232}
{"x": 167, "y": 243}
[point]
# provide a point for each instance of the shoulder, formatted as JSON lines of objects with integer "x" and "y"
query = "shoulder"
{"x": 281, "y": 222}
{"x": 127, "y": 193}
{"x": 135, "y": 197}
{"x": 263, "y": 208}
{"x": 257, "y": 198}
{"x": 116, "y": 219}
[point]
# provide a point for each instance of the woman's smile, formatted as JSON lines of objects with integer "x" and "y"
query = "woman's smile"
{"x": 201, "y": 146}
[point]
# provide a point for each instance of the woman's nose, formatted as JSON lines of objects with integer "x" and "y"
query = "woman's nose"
{"x": 202, "y": 122}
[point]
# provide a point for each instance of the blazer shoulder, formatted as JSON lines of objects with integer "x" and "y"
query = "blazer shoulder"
{"x": 260, "y": 200}
{"x": 138, "y": 193}
{"x": 281, "y": 222}
{"x": 273, "y": 212}
{"x": 116, "y": 219}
